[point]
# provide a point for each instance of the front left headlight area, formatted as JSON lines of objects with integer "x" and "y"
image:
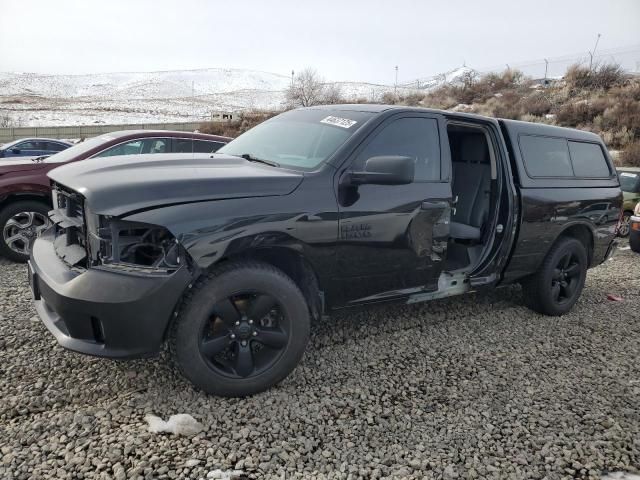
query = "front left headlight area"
{"x": 132, "y": 246}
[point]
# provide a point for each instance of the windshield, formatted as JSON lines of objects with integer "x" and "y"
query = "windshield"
{"x": 300, "y": 139}
{"x": 78, "y": 149}
{"x": 628, "y": 181}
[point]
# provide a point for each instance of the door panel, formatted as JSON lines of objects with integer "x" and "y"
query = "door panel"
{"x": 393, "y": 238}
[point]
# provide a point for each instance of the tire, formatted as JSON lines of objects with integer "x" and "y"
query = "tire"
{"x": 623, "y": 231}
{"x": 18, "y": 250}
{"x": 634, "y": 242}
{"x": 224, "y": 310}
{"x": 544, "y": 292}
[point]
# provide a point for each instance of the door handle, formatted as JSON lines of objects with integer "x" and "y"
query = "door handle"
{"x": 435, "y": 205}
{"x": 310, "y": 218}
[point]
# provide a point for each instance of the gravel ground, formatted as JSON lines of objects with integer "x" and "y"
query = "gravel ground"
{"x": 468, "y": 387}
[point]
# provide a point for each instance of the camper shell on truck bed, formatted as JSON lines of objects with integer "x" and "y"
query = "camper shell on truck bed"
{"x": 228, "y": 256}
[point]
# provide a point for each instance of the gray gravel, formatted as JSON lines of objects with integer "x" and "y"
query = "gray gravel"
{"x": 468, "y": 387}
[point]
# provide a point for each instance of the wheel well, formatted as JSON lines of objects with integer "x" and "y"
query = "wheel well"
{"x": 296, "y": 267}
{"x": 584, "y": 235}
{"x": 20, "y": 197}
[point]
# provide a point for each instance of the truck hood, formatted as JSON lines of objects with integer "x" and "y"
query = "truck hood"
{"x": 125, "y": 184}
{"x": 19, "y": 164}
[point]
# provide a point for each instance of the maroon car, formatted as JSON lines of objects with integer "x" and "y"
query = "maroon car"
{"x": 25, "y": 195}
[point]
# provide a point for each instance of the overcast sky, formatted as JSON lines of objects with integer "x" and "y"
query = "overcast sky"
{"x": 344, "y": 40}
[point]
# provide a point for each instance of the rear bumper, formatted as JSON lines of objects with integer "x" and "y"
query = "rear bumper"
{"x": 100, "y": 312}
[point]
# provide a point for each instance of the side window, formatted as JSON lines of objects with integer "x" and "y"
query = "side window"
{"x": 26, "y": 146}
{"x": 410, "y": 137}
{"x": 588, "y": 160}
{"x": 54, "y": 147}
{"x": 156, "y": 145}
{"x": 133, "y": 147}
{"x": 183, "y": 145}
{"x": 203, "y": 146}
{"x": 546, "y": 156}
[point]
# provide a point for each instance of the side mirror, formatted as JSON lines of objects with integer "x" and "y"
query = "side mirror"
{"x": 15, "y": 150}
{"x": 385, "y": 170}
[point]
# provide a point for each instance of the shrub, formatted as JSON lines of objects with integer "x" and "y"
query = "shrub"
{"x": 537, "y": 104}
{"x": 631, "y": 155}
{"x": 579, "y": 113}
{"x": 477, "y": 90}
{"x": 440, "y": 98}
{"x": 389, "y": 98}
{"x": 308, "y": 89}
{"x": 603, "y": 76}
{"x": 412, "y": 99}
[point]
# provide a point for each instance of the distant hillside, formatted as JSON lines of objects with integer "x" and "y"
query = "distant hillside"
{"x": 30, "y": 99}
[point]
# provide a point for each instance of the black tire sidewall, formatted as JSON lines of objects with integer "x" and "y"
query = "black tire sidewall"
{"x": 187, "y": 329}
{"x": 634, "y": 241}
{"x": 9, "y": 211}
{"x": 567, "y": 246}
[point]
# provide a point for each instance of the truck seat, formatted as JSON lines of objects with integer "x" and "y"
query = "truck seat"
{"x": 472, "y": 184}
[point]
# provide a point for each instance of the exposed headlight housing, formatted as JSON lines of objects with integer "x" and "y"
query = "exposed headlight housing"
{"x": 125, "y": 245}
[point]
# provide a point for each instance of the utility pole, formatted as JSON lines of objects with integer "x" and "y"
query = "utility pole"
{"x": 546, "y": 69}
{"x": 593, "y": 52}
{"x": 395, "y": 88}
{"x": 292, "y": 74}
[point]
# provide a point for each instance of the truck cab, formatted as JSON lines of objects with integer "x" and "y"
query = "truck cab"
{"x": 228, "y": 257}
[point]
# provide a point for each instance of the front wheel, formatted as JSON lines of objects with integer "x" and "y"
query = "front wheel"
{"x": 20, "y": 224}
{"x": 242, "y": 328}
{"x": 556, "y": 286}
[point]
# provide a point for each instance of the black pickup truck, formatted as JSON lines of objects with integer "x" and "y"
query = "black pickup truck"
{"x": 228, "y": 257}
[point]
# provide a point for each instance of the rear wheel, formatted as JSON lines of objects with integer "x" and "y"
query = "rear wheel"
{"x": 556, "y": 286}
{"x": 623, "y": 228}
{"x": 20, "y": 224}
{"x": 241, "y": 329}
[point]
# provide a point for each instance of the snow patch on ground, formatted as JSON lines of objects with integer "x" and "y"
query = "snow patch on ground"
{"x": 621, "y": 476}
{"x": 180, "y": 424}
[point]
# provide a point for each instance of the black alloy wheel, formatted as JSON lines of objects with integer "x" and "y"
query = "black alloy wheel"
{"x": 245, "y": 334}
{"x": 558, "y": 282}
{"x": 566, "y": 278}
{"x": 241, "y": 329}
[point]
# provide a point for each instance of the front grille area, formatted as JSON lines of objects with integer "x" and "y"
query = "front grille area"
{"x": 70, "y": 228}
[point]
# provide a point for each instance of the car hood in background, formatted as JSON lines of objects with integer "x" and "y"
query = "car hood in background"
{"x": 129, "y": 183}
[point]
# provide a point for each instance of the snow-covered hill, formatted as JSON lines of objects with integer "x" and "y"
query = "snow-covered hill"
{"x": 183, "y": 95}
{"x": 169, "y": 84}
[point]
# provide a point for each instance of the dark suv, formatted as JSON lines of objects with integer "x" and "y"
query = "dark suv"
{"x": 25, "y": 194}
{"x": 315, "y": 210}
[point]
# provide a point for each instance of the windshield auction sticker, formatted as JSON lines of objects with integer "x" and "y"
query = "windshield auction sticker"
{"x": 625, "y": 174}
{"x": 338, "y": 121}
